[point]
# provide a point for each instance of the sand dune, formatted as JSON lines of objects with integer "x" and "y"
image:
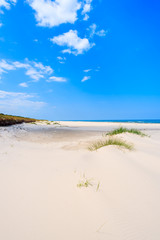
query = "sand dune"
{"x": 40, "y": 167}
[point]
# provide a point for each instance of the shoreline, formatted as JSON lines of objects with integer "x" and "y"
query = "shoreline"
{"x": 156, "y": 121}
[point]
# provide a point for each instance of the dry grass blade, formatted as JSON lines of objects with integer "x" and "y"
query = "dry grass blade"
{"x": 126, "y": 130}
{"x": 110, "y": 141}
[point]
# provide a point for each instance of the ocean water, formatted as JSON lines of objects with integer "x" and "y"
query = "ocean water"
{"x": 128, "y": 121}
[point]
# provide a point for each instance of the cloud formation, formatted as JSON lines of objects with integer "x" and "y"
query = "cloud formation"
{"x": 57, "y": 79}
{"x": 93, "y": 31}
{"x": 50, "y": 13}
{"x": 61, "y": 59}
{"x": 35, "y": 70}
{"x": 75, "y": 44}
{"x": 86, "y": 9}
{"x": 87, "y": 70}
{"x": 6, "y": 4}
{"x": 85, "y": 78}
{"x": 24, "y": 84}
{"x": 19, "y": 102}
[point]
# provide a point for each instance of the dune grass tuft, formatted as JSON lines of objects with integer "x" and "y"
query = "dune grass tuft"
{"x": 126, "y": 130}
{"x": 111, "y": 141}
{"x": 84, "y": 183}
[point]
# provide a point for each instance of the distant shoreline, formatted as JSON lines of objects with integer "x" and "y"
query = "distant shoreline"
{"x": 116, "y": 121}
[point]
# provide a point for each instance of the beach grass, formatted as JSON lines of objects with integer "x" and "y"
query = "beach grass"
{"x": 98, "y": 185}
{"x": 85, "y": 183}
{"x": 111, "y": 141}
{"x": 46, "y": 122}
{"x": 126, "y": 130}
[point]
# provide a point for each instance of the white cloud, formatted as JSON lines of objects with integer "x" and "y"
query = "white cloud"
{"x": 86, "y": 9}
{"x": 87, "y": 70}
{"x": 57, "y": 79}
{"x": 4, "y": 94}
{"x": 75, "y": 44}
{"x": 93, "y": 31}
{"x": 68, "y": 51}
{"x": 101, "y": 33}
{"x": 18, "y": 102}
{"x": 6, "y": 4}
{"x": 86, "y": 17}
{"x": 50, "y": 13}
{"x": 61, "y": 59}
{"x": 45, "y": 69}
{"x": 24, "y": 84}
{"x": 4, "y": 66}
{"x": 35, "y": 70}
{"x": 85, "y": 78}
{"x": 34, "y": 74}
{"x": 20, "y": 64}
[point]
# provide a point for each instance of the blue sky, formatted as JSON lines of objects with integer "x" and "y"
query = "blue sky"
{"x": 80, "y": 59}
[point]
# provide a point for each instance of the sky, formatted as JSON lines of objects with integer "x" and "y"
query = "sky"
{"x": 80, "y": 59}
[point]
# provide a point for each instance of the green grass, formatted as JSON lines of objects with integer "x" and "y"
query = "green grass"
{"x": 55, "y": 123}
{"x": 126, "y": 130}
{"x": 111, "y": 141}
{"x": 49, "y": 122}
{"x": 85, "y": 182}
{"x": 98, "y": 185}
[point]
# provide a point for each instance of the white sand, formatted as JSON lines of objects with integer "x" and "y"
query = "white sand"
{"x": 40, "y": 167}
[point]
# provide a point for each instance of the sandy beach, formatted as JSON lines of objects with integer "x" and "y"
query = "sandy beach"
{"x": 42, "y": 165}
